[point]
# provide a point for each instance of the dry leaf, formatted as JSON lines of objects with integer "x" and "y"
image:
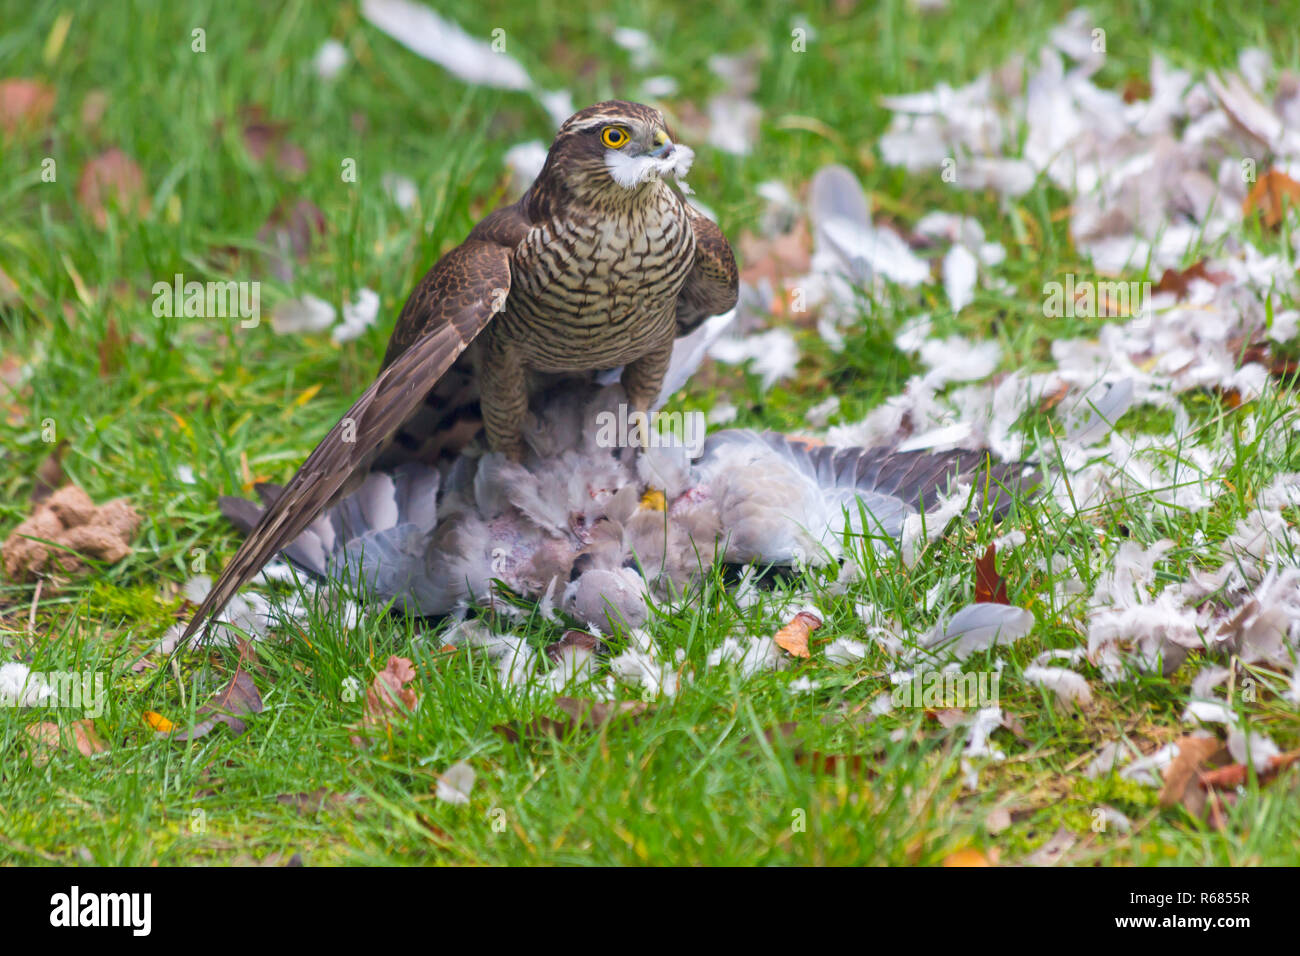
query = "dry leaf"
{"x": 112, "y": 180}
{"x": 388, "y": 698}
{"x": 581, "y": 714}
{"x": 793, "y": 638}
{"x": 1178, "y": 282}
{"x": 579, "y": 639}
{"x": 314, "y": 802}
{"x": 291, "y": 232}
{"x": 782, "y": 257}
{"x": 388, "y": 695}
{"x": 238, "y": 698}
{"x": 967, "y": 857}
{"x": 93, "y": 108}
{"x": 591, "y": 714}
{"x": 25, "y": 105}
{"x": 1181, "y": 774}
{"x": 158, "y": 722}
{"x": 786, "y": 736}
{"x": 1235, "y": 775}
{"x": 1271, "y": 195}
{"x": 1054, "y": 397}
{"x": 48, "y": 737}
{"x": 265, "y": 138}
{"x": 110, "y": 349}
{"x": 949, "y": 717}
{"x": 1136, "y": 88}
{"x": 990, "y": 587}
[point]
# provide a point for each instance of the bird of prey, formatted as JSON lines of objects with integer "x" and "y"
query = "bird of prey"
{"x": 600, "y": 264}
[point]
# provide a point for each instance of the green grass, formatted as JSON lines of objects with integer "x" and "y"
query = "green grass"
{"x": 701, "y": 779}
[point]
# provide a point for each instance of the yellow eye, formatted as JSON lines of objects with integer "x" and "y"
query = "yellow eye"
{"x": 614, "y": 137}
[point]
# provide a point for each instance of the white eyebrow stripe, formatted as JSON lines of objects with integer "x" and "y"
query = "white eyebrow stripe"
{"x": 597, "y": 123}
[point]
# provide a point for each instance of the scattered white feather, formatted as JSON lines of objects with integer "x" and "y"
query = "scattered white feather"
{"x": 456, "y": 783}
{"x": 773, "y": 354}
{"x": 978, "y": 627}
{"x": 18, "y": 686}
{"x": 845, "y": 650}
{"x": 525, "y": 162}
{"x": 959, "y": 273}
{"x": 358, "y": 315}
{"x": 1253, "y": 748}
{"x": 400, "y": 189}
{"x": 304, "y": 314}
{"x": 752, "y": 656}
{"x": 330, "y": 59}
{"x": 1069, "y": 687}
{"x": 424, "y": 32}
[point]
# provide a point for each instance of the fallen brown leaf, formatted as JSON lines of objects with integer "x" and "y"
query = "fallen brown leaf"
{"x": 591, "y": 714}
{"x": 793, "y": 638}
{"x": 967, "y": 857}
{"x": 787, "y": 736}
{"x": 388, "y": 695}
{"x": 48, "y": 737}
{"x": 110, "y": 349}
{"x": 1271, "y": 196}
{"x": 93, "y": 108}
{"x": 949, "y": 717}
{"x": 388, "y": 699}
{"x": 581, "y": 715}
{"x": 778, "y": 258}
{"x": 998, "y": 819}
{"x": 237, "y": 699}
{"x": 1181, "y": 775}
{"x": 112, "y": 180}
{"x": 318, "y": 799}
{"x": 25, "y": 105}
{"x": 291, "y": 232}
{"x": 1178, "y": 282}
{"x": 265, "y": 139}
{"x": 1136, "y": 88}
{"x": 990, "y": 587}
{"x": 1236, "y": 774}
{"x": 579, "y": 639}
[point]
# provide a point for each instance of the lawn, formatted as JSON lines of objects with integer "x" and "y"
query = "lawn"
{"x": 779, "y": 766}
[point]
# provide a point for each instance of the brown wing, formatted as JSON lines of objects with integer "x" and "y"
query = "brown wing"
{"x": 453, "y": 303}
{"x": 450, "y": 417}
{"x": 714, "y": 282}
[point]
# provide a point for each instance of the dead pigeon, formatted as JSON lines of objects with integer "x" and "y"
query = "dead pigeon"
{"x": 598, "y": 530}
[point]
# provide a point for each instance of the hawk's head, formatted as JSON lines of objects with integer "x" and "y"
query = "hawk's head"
{"x": 612, "y": 149}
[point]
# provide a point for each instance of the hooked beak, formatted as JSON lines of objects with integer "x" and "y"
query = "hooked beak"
{"x": 663, "y": 145}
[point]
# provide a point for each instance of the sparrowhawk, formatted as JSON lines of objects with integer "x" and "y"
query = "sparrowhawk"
{"x": 600, "y": 264}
